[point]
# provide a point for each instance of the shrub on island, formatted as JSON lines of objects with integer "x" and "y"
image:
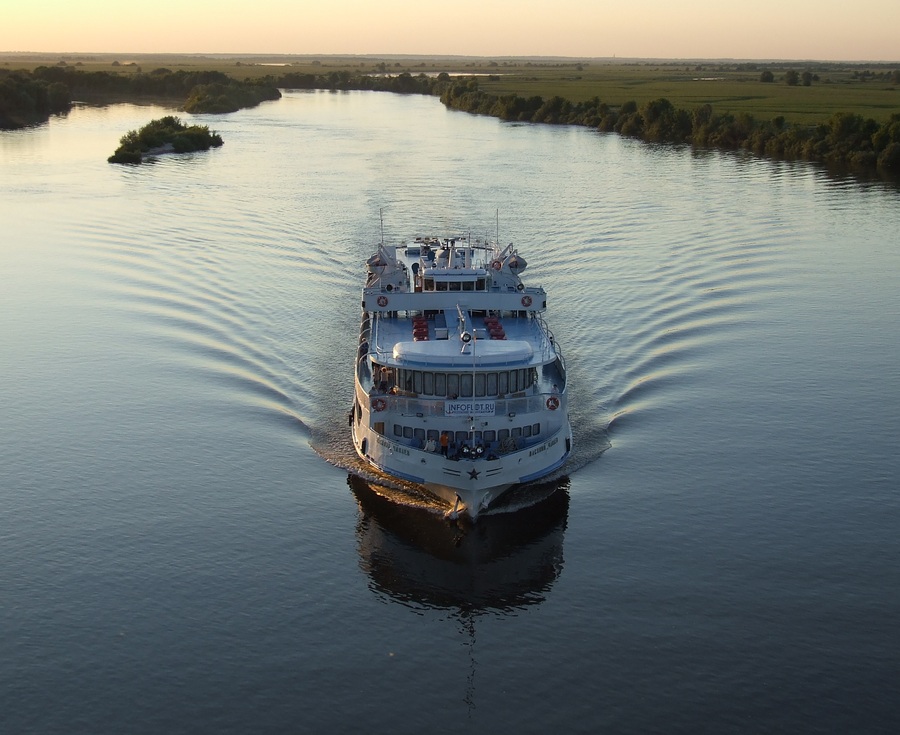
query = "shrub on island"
{"x": 165, "y": 135}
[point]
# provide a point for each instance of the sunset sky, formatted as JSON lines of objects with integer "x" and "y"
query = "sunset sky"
{"x": 797, "y": 29}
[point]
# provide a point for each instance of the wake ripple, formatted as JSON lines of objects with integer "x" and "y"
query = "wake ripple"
{"x": 187, "y": 293}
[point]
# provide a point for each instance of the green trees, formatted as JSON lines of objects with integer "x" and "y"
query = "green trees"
{"x": 206, "y": 91}
{"x": 847, "y": 140}
{"x": 218, "y": 97}
{"x": 167, "y": 134}
{"x": 28, "y": 100}
{"x": 844, "y": 139}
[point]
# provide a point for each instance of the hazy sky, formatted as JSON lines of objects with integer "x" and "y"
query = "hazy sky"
{"x": 759, "y": 29}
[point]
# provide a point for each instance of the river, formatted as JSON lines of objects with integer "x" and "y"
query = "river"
{"x": 189, "y": 544}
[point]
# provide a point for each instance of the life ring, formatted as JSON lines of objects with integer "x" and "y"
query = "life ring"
{"x": 382, "y": 300}
{"x": 526, "y": 301}
{"x": 553, "y": 403}
{"x": 379, "y": 404}
{"x": 496, "y": 265}
{"x": 466, "y": 337}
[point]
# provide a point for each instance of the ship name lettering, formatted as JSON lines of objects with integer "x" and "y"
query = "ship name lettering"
{"x": 544, "y": 447}
{"x": 393, "y": 447}
{"x": 470, "y": 408}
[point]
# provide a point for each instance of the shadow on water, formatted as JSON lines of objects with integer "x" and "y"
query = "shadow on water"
{"x": 506, "y": 560}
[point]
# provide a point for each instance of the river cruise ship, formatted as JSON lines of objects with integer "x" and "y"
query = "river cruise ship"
{"x": 460, "y": 385}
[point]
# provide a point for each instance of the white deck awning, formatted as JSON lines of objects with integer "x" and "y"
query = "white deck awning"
{"x": 446, "y": 353}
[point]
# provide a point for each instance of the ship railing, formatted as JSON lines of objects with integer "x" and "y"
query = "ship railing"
{"x": 363, "y": 368}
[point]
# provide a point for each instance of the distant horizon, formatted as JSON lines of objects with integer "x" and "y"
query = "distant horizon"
{"x": 820, "y": 30}
{"x": 440, "y": 56}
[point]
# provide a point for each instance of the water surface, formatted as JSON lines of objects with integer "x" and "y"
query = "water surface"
{"x": 187, "y": 546}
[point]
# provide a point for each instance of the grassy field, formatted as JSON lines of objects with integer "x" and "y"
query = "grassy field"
{"x": 866, "y": 90}
{"x": 725, "y": 88}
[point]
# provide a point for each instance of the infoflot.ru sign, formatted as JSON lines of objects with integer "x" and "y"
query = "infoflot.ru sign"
{"x": 469, "y": 408}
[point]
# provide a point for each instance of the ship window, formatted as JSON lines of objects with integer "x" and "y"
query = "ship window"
{"x": 454, "y": 286}
{"x": 433, "y": 434}
{"x": 477, "y": 437}
{"x": 504, "y": 383}
{"x": 513, "y": 381}
{"x": 492, "y": 384}
{"x": 441, "y": 285}
{"x": 468, "y": 286}
{"x": 420, "y": 435}
{"x": 379, "y": 427}
{"x": 440, "y": 384}
{"x": 479, "y": 384}
{"x": 526, "y": 431}
{"x": 429, "y": 284}
{"x": 535, "y": 429}
{"x": 503, "y": 434}
{"x": 428, "y": 383}
{"x": 407, "y": 432}
{"x": 398, "y": 430}
{"x": 516, "y": 433}
{"x": 479, "y": 284}
{"x": 524, "y": 375}
{"x": 465, "y": 384}
{"x": 461, "y": 436}
{"x": 490, "y": 436}
{"x": 417, "y": 382}
{"x": 453, "y": 385}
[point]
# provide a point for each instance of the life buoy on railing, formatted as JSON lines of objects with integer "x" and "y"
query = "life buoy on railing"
{"x": 382, "y": 300}
{"x": 553, "y": 403}
{"x": 466, "y": 337}
{"x": 526, "y": 301}
{"x": 379, "y": 404}
{"x": 496, "y": 265}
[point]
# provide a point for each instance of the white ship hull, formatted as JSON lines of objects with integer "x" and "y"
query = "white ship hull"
{"x": 469, "y": 485}
{"x": 460, "y": 386}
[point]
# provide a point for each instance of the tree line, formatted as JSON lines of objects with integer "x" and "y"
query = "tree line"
{"x": 30, "y": 98}
{"x": 845, "y": 139}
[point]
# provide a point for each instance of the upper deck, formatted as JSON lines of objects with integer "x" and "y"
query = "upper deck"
{"x": 451, "y": 303}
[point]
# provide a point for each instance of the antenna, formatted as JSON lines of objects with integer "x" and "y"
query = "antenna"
{"x": 498, "y": 226}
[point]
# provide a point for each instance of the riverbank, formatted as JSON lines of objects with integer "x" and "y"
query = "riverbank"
{"x": 843, "y": 115}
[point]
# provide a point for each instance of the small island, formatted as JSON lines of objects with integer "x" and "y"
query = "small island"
{"x": 165, "y": 135}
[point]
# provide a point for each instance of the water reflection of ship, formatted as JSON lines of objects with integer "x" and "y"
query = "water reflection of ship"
{"x": 505, "y": 560}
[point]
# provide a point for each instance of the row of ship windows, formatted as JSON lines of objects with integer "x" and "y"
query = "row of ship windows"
{"x": 477, "y": 285}
{"x": 463, "y": 384}
{"x": 481, "y": 437}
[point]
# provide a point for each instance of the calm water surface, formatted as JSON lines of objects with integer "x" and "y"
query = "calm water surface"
{"x": 187, "y": 545}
